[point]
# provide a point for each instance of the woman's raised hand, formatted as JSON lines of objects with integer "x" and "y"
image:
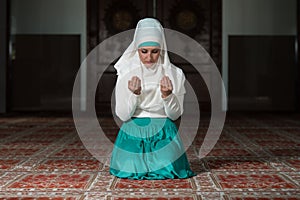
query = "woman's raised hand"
{"x": 166, "y": 86}
{"x": 134, "y": 85}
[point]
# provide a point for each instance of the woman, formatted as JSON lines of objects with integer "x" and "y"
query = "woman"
{"x": 149, "y": 96}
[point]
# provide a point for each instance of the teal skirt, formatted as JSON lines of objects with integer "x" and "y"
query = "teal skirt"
{"x": 149, "y": 148}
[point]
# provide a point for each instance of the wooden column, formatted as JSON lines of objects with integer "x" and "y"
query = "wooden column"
{"x": 3, "y": 54}
{"x": 298, "y": 59}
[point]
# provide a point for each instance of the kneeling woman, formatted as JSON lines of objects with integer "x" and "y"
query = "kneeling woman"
{"x": 149, "y": 97}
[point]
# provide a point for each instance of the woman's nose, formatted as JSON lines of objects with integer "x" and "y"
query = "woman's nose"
{"x": 148, "y": 57}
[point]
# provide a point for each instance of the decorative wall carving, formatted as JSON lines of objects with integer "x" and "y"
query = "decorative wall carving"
{"x": 187, "y": 17}
{"x": 120, "y": 16}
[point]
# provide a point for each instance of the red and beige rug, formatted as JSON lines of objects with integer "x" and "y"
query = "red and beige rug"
{"x": 256, "y": 158}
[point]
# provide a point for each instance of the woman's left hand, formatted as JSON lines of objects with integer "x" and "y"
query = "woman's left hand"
{"x": 166, "y": 86}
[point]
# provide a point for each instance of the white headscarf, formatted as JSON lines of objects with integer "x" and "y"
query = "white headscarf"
{"x": 129, "y": 64}
{"x": 147, "y": 30}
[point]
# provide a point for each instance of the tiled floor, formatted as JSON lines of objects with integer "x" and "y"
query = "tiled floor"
{"x": 256, "y": 158}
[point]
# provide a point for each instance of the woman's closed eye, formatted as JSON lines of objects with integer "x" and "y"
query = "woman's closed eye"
{"x": 155, "y": 51}
{"x": 145, "y": 51}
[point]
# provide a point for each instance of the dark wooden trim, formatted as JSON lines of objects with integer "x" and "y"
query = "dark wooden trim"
{"x": 4, "y": 35}
{"x": 8, "y": 71}
{"x": 216, "y": 32}
{"x": 298, "y": 59}
{"x": 92, "y": 28}
{"x": 211, "y": 28}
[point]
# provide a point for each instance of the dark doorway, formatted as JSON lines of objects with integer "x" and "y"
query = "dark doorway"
{"x": 262, "y": 73}
{"x": 43, "y": 70}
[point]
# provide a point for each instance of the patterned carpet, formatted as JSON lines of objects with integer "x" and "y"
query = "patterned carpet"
{"x": 256, "y": 158}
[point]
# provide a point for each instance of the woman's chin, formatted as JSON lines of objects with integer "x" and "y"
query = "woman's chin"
{"x": 149, "y": 65}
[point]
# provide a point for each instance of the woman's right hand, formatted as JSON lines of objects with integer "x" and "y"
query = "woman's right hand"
{"x": 134, "y": 85}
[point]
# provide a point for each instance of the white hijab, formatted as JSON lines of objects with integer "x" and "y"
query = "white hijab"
{"x": 147, "y": 29}
{"x": 129, "y": 64}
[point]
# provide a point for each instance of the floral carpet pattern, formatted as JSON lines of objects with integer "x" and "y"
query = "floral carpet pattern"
{"x": 256, "y": 158}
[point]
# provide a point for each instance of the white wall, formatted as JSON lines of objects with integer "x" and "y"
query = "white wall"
{"x": 50, "y": 17}
{"x": 255, "y": 17}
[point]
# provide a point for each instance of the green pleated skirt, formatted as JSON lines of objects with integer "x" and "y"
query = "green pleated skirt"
{"x": 149, "y": 148}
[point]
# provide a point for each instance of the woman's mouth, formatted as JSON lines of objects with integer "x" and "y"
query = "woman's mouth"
{"x": 149, "y": 64}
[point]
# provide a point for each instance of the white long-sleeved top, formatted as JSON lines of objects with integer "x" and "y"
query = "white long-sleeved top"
{"x": 150, "y": 102}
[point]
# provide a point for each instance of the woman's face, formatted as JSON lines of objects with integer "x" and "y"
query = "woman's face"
{"x": 149, "y": 55}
